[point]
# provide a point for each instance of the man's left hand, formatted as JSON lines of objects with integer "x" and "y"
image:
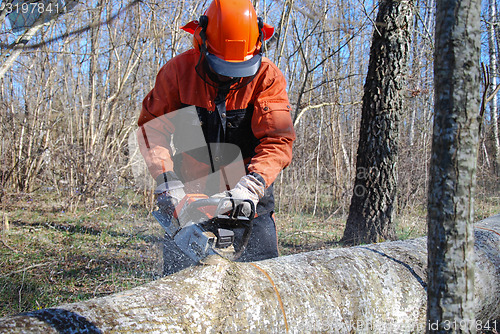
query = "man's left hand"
{"x": 248, "y": 188}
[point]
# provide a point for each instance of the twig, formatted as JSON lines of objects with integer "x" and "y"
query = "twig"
{"x": 309, "y": 232}
{"x": 120, "y": 247}
{"x": 97, "y": 209}
{"x": 10, "y": 248}
{"x": 28, "y": 268}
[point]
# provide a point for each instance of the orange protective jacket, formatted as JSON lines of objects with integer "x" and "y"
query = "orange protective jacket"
{"x": 265, "y": 138}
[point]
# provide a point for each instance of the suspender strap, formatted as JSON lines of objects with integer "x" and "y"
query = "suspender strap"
{"x": 220, "y": 103}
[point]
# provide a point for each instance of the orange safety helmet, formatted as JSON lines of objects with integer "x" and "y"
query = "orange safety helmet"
{"x": 230, "y": 35}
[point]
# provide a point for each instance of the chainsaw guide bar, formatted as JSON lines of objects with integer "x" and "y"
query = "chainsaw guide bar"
{"x": 203, "y": 226}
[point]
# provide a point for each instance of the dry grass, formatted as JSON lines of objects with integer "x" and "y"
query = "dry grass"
{"x": 49, "y": 257}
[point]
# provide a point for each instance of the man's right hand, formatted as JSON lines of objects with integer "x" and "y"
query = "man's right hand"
{"x": 166, "y": 203}
{"x": 168, "y": 200}
{"x": 169, "y": 193}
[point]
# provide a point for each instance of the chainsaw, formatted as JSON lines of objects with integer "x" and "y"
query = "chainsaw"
{"x": 203, "y": 226}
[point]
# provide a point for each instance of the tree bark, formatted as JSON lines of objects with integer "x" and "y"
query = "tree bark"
{"x": 373, "y": 200}
{"x": 453, "y": 166}
{"x": 379, "y": 288}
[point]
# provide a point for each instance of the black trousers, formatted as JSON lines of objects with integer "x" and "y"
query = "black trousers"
{"x": 262, "y": 244}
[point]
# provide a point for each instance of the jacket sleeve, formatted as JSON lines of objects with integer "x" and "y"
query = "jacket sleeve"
{"x": 155, "y": 126}
{"x": 272, "y": 126}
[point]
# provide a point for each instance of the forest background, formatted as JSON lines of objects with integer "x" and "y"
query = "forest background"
{"x": 75, "y": 201}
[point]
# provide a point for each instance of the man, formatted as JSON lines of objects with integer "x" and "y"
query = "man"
{"x": 240, "y": 98}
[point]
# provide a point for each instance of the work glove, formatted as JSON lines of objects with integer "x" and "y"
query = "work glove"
{"x": 250, "y": 187}
{"x": 169, "y": 193}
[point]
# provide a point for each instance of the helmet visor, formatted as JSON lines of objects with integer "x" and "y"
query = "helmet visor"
{"x": 242, "y": 69}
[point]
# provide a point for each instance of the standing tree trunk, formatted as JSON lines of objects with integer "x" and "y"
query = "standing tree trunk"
{"x": 493, "y": 71}
{"x": 373, "y": 200}
{"x": 450, "y": 294}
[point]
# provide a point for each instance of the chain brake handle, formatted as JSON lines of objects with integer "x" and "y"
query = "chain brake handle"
{"x": 199, "y": 205}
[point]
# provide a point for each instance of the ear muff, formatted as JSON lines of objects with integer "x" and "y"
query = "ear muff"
{"x": 203, "y": 22}
{"x": 260, "y": 24}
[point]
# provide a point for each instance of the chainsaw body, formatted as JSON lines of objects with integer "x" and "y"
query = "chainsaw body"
{"x": 203, "y": 226}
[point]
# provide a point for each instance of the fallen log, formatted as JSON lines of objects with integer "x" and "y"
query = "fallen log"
{"x": 378, "y": 288}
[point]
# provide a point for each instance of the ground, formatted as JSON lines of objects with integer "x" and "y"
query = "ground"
{"x": 51, "y": 254}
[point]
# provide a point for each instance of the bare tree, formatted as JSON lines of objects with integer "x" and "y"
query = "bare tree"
{"x": 494, "y": 73}
{"x": 373, "y": 200}
{"x": 450, "y": 294}
{"x": 47, "y": 16}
